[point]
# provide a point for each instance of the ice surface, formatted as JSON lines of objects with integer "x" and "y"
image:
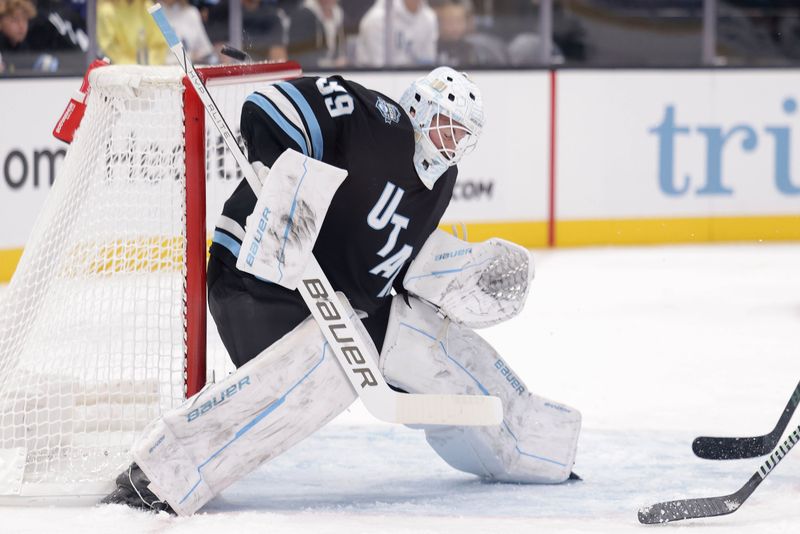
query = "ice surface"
{"x": 655, "y": 345}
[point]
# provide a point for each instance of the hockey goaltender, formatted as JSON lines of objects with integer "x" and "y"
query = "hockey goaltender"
{"x": 380, "y": 174}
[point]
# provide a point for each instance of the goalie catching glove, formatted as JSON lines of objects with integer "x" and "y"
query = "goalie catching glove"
{"x": 475, "y": 284}
{"x": 281, "y": 231}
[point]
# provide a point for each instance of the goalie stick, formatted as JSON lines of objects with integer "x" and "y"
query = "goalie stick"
{"x": 358, "y": 362}
{"x": 730, "y": 448}
{"x": 665, "y": 512}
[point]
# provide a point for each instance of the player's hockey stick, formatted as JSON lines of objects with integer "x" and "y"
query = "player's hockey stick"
{"x": 665, "y": 512}
{"x": 353, "y": 354}
{"x": 735, "y": 448}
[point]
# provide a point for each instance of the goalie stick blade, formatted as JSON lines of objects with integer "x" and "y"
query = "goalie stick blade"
{"x": 733, "y": 448}
{"x": 455, "y": 410}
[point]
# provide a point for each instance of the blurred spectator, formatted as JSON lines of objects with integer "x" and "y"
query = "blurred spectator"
{"x": 126, "y": 33}
{"x": 188, "y": 24}
{"x": 354, "y": 11}
{"x": 753, "y": 34}
{"x": 58, "y": 26}
{"x": 789, "y": 32}
{"x": 413, "y": 39}
{"x": 459, "y": 43}
{"x": 264, "y": 23}
{"x": 511, "y": 17}
{"x": 517, "y": 22}
{"x": 60, "y": 30}
{"x": 525, "y": 49}
{"x": 15, "y": 16}
{"x": 316, "y": 34}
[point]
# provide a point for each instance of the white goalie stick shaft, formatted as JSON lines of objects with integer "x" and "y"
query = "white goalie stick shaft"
{"x": 359, "y": 363}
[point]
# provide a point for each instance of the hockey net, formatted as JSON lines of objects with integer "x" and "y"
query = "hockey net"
{"x": 102, "y": 327}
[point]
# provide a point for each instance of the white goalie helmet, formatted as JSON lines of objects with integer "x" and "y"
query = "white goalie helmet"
{"x": 446, "y": 109}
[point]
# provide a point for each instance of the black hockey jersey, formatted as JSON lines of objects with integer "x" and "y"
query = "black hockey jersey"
{"x": 381, "y": 215}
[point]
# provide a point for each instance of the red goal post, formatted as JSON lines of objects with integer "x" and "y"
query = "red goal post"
{"x": 197, "y": 133}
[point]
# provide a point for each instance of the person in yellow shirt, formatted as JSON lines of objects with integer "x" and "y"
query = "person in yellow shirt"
{"x": 127, "y": 34}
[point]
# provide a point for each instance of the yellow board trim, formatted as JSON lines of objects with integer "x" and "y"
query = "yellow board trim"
{"x": 529, "y": 234}
{"x": 8, "y": 263}
{"x": 533, "y": 234}
{"x": 684, "y": 230}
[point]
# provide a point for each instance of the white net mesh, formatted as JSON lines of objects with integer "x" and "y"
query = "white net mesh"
{"x": 92, "y": 324}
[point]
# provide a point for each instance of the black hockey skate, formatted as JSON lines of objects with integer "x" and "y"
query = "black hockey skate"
{"x": 132, "y": 491}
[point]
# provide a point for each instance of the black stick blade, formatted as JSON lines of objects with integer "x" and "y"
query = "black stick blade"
{"x": 711, "y": 448}
{"x": 664, "y": 512}
{"x": 735, "y": 448}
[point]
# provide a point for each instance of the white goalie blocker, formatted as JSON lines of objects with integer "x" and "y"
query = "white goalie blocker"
{"x": 281, "y": 232}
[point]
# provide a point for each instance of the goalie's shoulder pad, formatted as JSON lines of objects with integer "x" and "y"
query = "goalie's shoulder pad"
{"x": 476, "y": 284}
{"x": 281, "y": 232}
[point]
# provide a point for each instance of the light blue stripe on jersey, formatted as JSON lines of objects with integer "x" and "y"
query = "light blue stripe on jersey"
{"x": 313, "y": 125}
{"x": 290, "y": 129}
{"x": 228, "y": 242}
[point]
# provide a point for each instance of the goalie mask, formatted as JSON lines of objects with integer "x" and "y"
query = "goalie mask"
{"x": 446, "y": 110}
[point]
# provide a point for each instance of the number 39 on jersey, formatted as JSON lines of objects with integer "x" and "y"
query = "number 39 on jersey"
{"x": 337, "y": 100}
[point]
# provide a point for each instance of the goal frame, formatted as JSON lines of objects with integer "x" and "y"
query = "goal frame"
{"x": 194, "y": 118}
{"x": 198, "y": 146}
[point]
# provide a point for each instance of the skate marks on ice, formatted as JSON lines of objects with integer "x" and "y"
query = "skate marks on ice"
{"x": 348, "y": 477}
{"x": 379, "y": 470}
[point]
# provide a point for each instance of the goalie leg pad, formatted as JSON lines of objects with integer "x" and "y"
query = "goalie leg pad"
{"x": 268, "y": 405}
{"x": 423, "y": 353}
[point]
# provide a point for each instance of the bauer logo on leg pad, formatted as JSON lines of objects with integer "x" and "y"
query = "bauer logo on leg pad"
{"x": 212, "y": 403}
{"x": 332, "y": 320}
{"x": 158, "y": 442}
{"x": 509, "y": 375}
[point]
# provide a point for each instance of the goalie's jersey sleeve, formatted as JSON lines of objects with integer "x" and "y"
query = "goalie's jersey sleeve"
{"x": 380, "y": 216}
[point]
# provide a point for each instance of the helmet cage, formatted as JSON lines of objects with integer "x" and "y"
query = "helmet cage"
{"x": 444, "y": 106}
{"x": 448, "y": 136}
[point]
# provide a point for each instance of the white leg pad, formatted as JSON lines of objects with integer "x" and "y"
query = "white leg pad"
{"x": 268, "y": 405}
{"x": 423, "y": 353}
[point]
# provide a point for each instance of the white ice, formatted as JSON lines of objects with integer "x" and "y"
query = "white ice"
{"x": 655, "y": 345}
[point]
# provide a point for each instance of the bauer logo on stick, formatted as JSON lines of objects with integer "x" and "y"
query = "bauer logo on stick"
{"x": 338, "y": 328}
